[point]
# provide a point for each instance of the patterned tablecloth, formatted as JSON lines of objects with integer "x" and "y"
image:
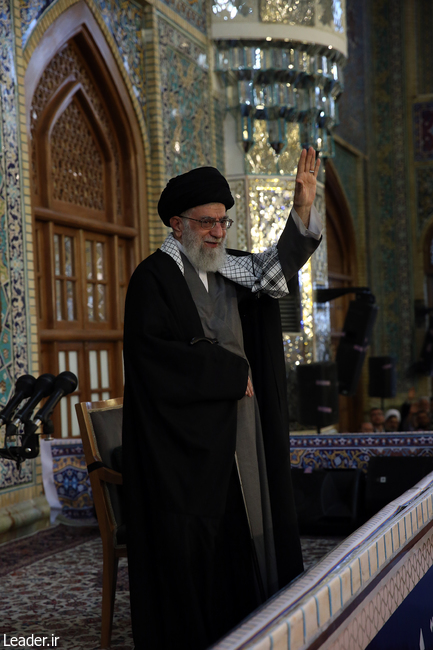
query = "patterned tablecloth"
{"x": 67, "y": 484}
{"x": 66, "y": 481}
{"x": 354, "y": 450}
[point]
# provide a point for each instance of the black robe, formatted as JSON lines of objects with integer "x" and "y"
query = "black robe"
{"x": 189, "y": 551}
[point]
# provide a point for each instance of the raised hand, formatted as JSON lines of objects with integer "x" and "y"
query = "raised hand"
{"x": 305, "y": 187}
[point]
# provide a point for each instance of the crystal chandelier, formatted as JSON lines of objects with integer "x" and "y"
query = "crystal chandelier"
{"x": 280, "y": 82}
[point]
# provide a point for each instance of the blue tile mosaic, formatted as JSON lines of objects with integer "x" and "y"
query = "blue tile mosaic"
{"x": 352, "y": 102}
{"x": 219, "y": 115}
{"x": 186, "y": 101}
{"x": 355, "y": 450}
{"x": 193, "y": 11}
{"x": 125, "y": 20}
{"x": 72, "y": 481}
{"x": 30, "y": 12}
{"x": 14, "y": 336}
{"x": 389, "y": 234}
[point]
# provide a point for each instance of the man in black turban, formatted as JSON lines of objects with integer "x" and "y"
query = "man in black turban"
{"x": 210, "y": 515}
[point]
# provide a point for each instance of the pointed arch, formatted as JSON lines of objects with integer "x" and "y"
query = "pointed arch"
{"x": 68, "y": 96}
{"x": 78, "y": 25}
{"x": 89, "y": 202}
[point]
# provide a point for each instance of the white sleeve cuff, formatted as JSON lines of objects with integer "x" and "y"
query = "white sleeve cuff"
{"x": 315, "y": 227}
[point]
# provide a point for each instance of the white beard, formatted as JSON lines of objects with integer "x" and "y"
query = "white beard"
{"x": 204, "y": 259}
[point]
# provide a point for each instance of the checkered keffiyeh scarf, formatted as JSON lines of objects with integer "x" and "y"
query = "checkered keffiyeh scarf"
{"x": 257, "y": 271}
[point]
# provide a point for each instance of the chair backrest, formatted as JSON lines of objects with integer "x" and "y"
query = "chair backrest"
{"x": 101, "y": 433}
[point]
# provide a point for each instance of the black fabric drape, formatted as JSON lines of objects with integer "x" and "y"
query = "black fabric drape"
{"x": 190, "y": 565}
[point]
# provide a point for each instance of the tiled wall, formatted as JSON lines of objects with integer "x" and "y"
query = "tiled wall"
{"x": 374, "y": 120}
{"x": 194, "y": 13}
{"x": 163, "y": 45}
{"x": 16, "y": 257}
{"x": 186, "y": 100}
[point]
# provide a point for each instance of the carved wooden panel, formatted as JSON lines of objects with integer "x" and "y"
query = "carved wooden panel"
{"x": 77, "y": 165}
{"x": 68, "y": 65}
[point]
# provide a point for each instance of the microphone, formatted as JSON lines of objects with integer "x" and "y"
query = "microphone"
{"x": 24, "y": 386}
{"x": 44, "y": 386}
{"x": 64, "y": 384}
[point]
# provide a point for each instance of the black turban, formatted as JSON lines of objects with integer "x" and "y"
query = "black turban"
{"x": 197, "y": 187}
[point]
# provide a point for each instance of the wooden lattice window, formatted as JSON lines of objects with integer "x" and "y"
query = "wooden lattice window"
{"x": 77, "y": 164}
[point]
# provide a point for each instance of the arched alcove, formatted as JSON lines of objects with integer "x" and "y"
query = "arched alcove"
{"x": 88, "y": 203}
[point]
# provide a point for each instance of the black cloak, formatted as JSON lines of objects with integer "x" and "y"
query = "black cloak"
{"x": 190, "y": 565}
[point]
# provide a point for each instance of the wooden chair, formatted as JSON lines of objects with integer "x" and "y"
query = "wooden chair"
{"x": 101, "y": 433}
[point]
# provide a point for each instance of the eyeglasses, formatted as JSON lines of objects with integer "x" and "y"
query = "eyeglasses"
{"x": 207, "y": 223}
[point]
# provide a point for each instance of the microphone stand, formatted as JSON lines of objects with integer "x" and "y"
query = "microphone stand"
{"x": 29, "y": 447}
{"x": 46, "y": 386}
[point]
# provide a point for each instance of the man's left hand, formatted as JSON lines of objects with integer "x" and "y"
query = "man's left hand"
{"x": 305, "y": 187}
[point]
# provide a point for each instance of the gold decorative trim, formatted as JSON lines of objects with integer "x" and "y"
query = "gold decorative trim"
{"x": 157, "y": 230}
{"x": 48, "y": 18}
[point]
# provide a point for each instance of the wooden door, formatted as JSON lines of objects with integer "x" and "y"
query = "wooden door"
{"x": 84, "y": 224}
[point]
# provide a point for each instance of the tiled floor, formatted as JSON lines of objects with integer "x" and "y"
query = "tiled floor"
{"x": 60, "y": 594}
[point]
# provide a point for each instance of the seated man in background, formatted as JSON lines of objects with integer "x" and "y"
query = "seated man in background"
{"x": 411, "y": 410}
{"x": 377, "y": 419}
{"x": 423, "y": 421}
{"x": 392, "y": 420}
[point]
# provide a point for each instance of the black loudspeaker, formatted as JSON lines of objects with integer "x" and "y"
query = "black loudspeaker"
{"x": 351, "y": 351}
{"x": 382, "y": 377}
{"x": 388, "y": 477}
{"x": 328, "y": 501}
{"x": 318, "y": 394}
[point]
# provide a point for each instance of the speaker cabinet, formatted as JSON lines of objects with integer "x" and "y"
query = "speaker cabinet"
{"x": 382, "y": 377}
{"x": 318, "y": 394}
{"x": 388, "y": 477}
{"x": 328, "y": 501}
{"x": 351, "y": 351}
